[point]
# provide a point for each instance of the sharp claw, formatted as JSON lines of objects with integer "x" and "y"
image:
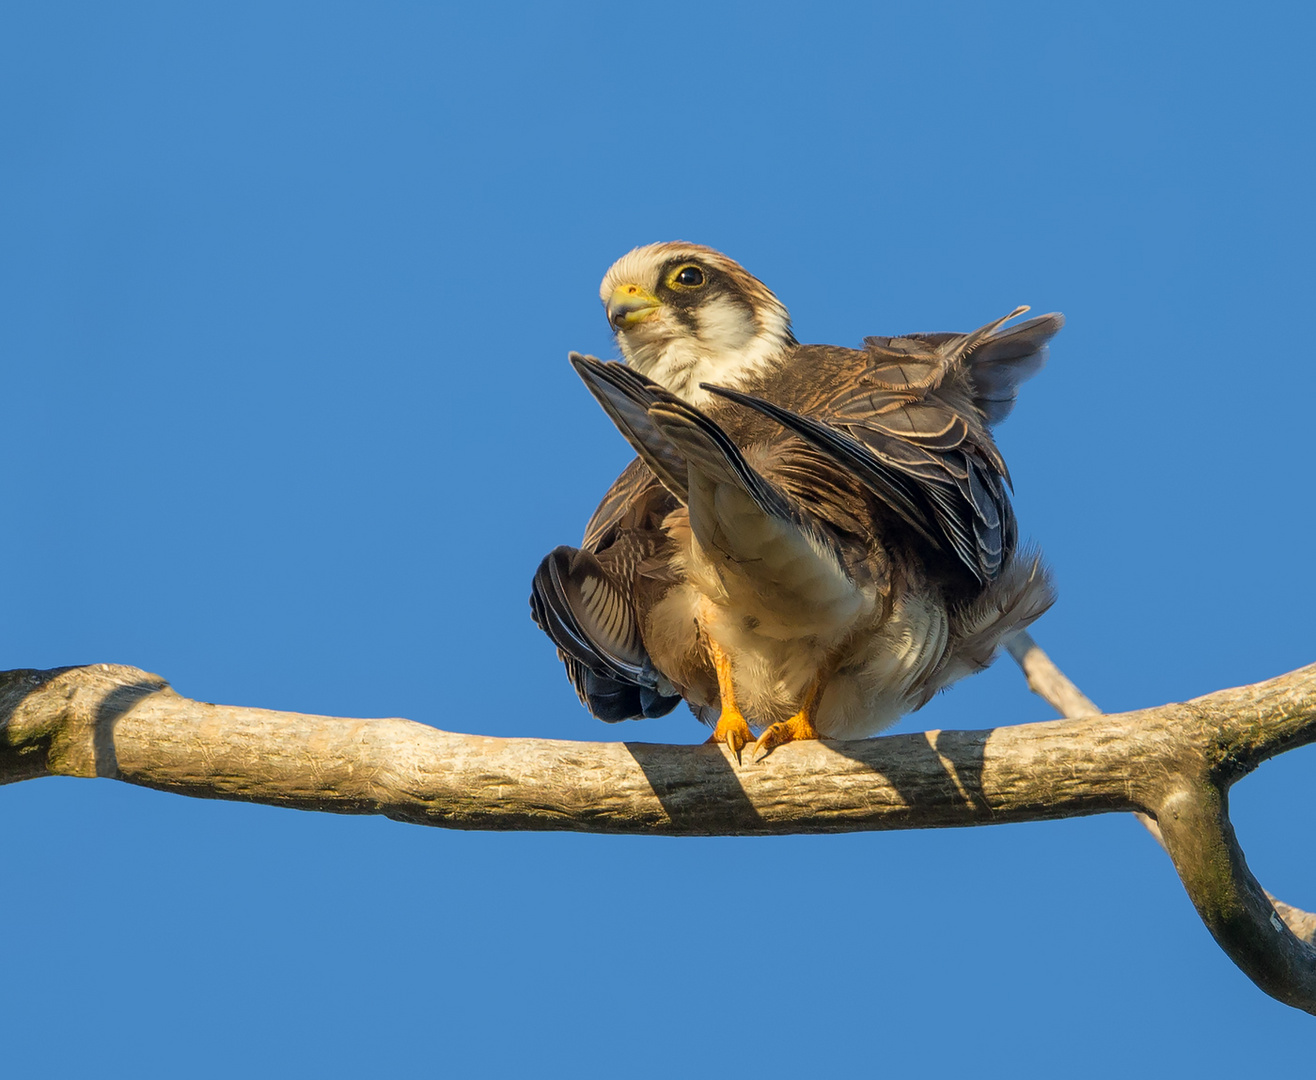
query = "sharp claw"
{"x": 735, "y": 733}
{"x": 784, "y": 731}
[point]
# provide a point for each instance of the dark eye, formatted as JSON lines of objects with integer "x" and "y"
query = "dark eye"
{"x": 690, "y": 276}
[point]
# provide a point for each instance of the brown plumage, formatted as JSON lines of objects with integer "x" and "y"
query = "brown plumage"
{"x": 814, "y": 539}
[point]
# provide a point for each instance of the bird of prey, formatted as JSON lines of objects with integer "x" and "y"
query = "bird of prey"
{"x": 813, "y": 540}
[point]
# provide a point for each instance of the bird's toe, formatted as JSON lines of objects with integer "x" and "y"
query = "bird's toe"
{"x": 733, "y": 730}
{"x": 798, "y": 727}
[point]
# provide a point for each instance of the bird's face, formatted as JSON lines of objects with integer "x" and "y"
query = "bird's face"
{"x": 683, "y": 313}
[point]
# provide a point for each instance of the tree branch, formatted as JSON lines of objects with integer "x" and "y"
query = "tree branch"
{"x": 1247, "y": 921}
{"x": 1045, "y": 679}
{"x": 1174, "y": 763}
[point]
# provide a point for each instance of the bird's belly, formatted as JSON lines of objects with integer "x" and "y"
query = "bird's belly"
{"x": 885, "y": 674}
{"x": 780, "y": 617}
{"x": 784, "y": 626}
{"x": 773, "y": 677}
{"x": 780, "y": 583}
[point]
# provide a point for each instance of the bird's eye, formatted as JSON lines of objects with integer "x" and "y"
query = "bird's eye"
{"x": 689, "y": 276}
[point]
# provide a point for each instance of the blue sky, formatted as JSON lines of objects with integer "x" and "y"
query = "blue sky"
{"x": 286, "y": 293}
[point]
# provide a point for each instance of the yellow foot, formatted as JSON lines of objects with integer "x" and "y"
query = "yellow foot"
{"x": 799, "y": 726}
{"x": 732, "y": 730}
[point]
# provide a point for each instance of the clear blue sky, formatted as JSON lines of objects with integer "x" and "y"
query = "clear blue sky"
{"x": 286, "y": 293}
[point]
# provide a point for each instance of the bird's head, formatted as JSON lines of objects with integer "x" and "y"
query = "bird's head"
{"x": 685, "y": 314}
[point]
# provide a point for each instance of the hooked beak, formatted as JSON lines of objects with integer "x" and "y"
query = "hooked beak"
{"x": 630, "y": 304}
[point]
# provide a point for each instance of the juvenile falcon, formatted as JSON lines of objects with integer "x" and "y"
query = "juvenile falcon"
{"x": 813, "y": 540}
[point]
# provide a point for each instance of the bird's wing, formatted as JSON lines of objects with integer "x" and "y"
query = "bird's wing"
{"x": 996, "y": 364}
{"x": 584, "y": 600}
{"x": 916, "y": 462}
{"x": 636, "y": 500}
{"x": 583, "y": 603}
{"x": 657, "y": 424}
{"x": 891, "y": 482}
{"x": 626, "y": 396}
{"x": 904, "y": 416}
{"x": 739, "y": 517}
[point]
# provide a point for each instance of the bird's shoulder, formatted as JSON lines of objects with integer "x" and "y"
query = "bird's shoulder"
{"x": 909, "y": 387}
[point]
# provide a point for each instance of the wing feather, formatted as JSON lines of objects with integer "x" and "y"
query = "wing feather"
{"x": 626, "y": 397}
{"x": 910, "y": 421}
{"x": 589, "y": 616}
{"x": 636, "y": 500}
{"x": 893, "y": 486}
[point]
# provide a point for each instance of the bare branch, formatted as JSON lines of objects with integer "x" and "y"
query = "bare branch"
{"x": 1174, "y": 763}
{"x": 1053, "y": 686}
{"x": 1046, "y": 680}
{"x": 1270, "y": 940}
{"x": 119, "y": 722}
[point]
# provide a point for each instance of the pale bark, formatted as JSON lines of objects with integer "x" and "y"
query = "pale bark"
{"x": 1174, "y": 764}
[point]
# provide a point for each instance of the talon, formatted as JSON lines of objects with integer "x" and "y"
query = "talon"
{"x": 733, "y": 730}
{"x": 764, "y": 744}
{"x": 798, "y": 727}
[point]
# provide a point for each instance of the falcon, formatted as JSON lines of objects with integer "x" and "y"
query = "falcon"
{"x": 813, "y": 540}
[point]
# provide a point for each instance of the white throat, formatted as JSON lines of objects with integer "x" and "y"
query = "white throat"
{"x": 727, "y": 350}
{"x": 681, "y": 366}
